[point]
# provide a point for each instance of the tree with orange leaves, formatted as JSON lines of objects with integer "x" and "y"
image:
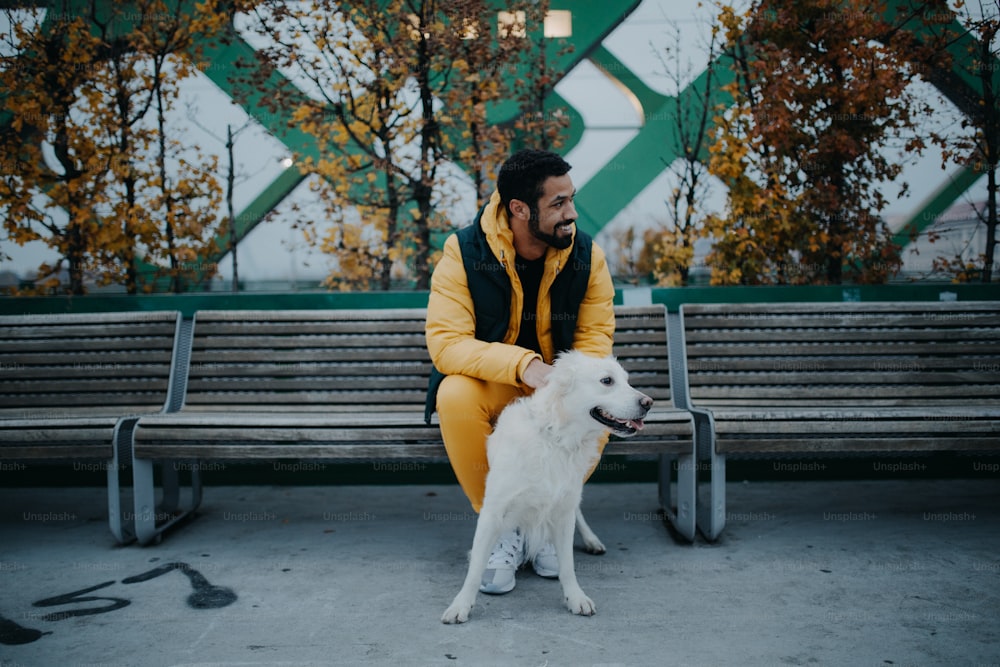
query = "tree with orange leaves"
{"x": 822, "y": 90}
{"x": 398, "y": 97}
{"x": 89, "y": 174}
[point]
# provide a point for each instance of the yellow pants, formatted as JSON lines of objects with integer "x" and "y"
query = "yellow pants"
{"x": 468, "y": 409}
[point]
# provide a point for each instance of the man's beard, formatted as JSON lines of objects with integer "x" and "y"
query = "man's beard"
{"x": 557, "y": 242}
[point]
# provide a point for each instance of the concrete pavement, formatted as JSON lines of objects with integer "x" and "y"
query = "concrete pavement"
{"x": 877, "y": 573}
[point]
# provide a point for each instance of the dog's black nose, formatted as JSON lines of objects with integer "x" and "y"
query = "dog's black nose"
{"x": 646, "y": 402}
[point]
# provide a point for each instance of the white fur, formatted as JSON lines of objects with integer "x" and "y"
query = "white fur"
{"x": 541, "y": 449}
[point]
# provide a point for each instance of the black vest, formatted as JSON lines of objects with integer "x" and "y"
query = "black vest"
{"x": 490, "y": 288}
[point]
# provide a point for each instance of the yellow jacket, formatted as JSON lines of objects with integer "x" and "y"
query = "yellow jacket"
{"x": 451, "y": 324}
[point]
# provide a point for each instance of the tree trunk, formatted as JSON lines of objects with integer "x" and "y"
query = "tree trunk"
{"x": 991, "y": 137}
{"x": 424, "y": 189}
{"x": 230, "y": 181}
{"x": 76, "y": 255}
{"x": 176, "y": 282}
{"x": 991, "y": 223}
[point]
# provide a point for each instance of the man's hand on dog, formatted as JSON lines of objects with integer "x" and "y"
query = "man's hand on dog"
{"x": 536, "y": 373}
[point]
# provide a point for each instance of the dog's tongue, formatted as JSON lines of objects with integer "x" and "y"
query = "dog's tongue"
{"x": 637, "y": 424}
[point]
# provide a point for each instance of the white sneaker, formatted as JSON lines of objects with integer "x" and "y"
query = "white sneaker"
{"x": 507, "y": 556}
{"x": 545, "y": 562}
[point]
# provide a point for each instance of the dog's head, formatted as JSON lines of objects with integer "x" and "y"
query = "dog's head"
{"x": 598, "y": 389}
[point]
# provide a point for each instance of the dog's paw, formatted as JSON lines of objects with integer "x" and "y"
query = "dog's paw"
{"x": 594, "y": 546}
{"x": 580, "y": 604}
{"x": 456, "y": 613}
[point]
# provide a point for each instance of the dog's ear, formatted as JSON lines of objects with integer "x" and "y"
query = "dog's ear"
{"x": 551, "y": 399}
{"x": 562, "y": 378}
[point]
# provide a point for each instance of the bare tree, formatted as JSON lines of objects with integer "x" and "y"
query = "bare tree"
{"x": 978, "y": 144}
{"x": 668, "y": 252}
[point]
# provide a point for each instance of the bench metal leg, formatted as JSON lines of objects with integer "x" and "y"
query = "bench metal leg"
{"x": 687, "y": 492}
{"x": 712, "y": 514}
{"x": 121, "y": 523}
{"x": 152, "y": 519}
{"x": 682, "y": 517}
{"x": 144, "y": 495}
{"x": 170, "y": 483}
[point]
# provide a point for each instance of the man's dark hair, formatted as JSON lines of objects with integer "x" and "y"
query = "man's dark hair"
{"x": 524, "y": 172}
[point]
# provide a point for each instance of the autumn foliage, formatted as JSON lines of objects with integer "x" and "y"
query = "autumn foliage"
{"x": 94, "y": 169}
{"x": 822, "y": 91}
{"x": 407, "y": 106}
{"x": 402, "y": 101}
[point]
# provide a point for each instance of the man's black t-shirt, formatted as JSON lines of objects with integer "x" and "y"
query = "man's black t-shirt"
{"x": 530, "y": 273}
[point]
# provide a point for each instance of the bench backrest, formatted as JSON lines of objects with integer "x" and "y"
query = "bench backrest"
{"x": 93, "y": 364}
{"x": 836, "y": 354}
{"x": 642, "y": 349}
{"x": 307, "y": 360}
{"x": 342, "y": 359}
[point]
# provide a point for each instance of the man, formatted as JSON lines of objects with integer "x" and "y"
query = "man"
{"x": 512, "y": 290}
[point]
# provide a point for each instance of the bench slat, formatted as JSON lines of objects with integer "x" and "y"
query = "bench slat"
{"x": 320, "y": 436}
{"x": 79, "y": 450}
{"x": 796, "y": 363}
{"x": 329, "y": 386}
{"x": 629, "y": 338}
{"x": 845, "y": 394}
{"x": 292, "y": 327}
{"x": 94, "y": 370}
{"x": 790, "y": 348}
{"x": 849, "y": 377}
{"x": 233, "y": 401}
{"x": 229, "y": 450}
{"x": 397, "y": 418}
{"x": 204, "y": 360}
{"x": 250, "y": 400}
{"x": 67, "y": 387}
{"x": 869, "y": 319}
{"x": 861, "y": 413}
{"x": 367, "y": 450}
{"x": 61, "y": 347}
{"x": 859, "y": 337}
{"x": 848, "y": 403}
{"x": 873, "y": 426}
{"x": 941, "y": 311}
{"x": 80, "y": 333}
{"x": 318, "y": 315}
{"x": 271, "y": 368}
{"x": 307, "y": 342}
{"x": 258, "y": 431}
{"x": 855, "y": 445}
{"x": 85, "y": 436}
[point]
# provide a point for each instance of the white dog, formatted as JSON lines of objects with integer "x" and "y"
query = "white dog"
{"x": 541, "y": 449}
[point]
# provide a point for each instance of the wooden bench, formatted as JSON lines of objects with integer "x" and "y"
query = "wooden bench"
{"x": 847, "y": 378}
{"x": 73, "y": 385}
{"x": 351, "y": 385}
